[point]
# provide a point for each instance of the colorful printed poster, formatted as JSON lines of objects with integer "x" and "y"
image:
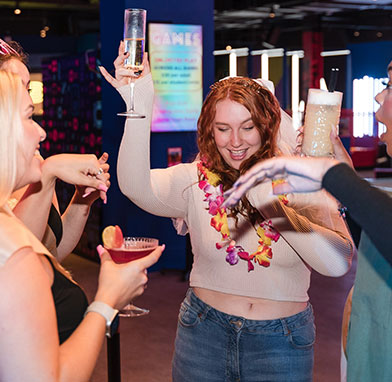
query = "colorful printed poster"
{"x": 176, "y": 53}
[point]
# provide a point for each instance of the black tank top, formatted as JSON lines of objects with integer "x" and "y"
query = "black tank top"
{"x": 55, "y": 223}
{"x": 70, "y": 303}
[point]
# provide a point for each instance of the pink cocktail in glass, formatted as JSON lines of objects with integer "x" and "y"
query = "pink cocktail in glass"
{"x": 133, "y": 248}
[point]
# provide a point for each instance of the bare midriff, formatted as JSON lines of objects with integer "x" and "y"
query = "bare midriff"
{"x": 251, "y": 308}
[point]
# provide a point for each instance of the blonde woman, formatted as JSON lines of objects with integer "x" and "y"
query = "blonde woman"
{"x": 36, "y": 205}
{"x": 29, "y": 344}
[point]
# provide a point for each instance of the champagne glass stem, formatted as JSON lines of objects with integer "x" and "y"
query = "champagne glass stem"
{"x": 132, "y": 95}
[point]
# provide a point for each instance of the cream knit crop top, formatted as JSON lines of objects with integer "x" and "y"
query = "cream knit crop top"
{"x": 313, "y": 233}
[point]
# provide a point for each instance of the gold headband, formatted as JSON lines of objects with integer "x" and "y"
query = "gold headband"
{"x": 244, "y": 81}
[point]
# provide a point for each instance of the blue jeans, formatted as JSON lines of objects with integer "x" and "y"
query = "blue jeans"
{"x": 212, "y": 346}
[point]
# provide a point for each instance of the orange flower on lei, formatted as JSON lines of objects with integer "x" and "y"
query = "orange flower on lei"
{"x": 210, "y": 184}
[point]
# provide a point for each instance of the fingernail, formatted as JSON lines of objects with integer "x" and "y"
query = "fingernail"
{"x": 100, "y": 250}
{"x": 86, "y": 194}
{"x": 105, "y": 200}
{"x": 163, "y": 247}
{"x": 102, "y": 187}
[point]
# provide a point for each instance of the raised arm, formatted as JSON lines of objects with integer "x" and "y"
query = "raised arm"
{"x": 158, "y": 191}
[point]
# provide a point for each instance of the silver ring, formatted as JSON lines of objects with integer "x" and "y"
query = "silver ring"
{"x": 100, "y": 171}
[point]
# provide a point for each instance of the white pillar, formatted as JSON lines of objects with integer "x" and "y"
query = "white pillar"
{"x": 232, "y": 64}
{"x": 264, "y": 66}
{"x": 295, "y": 90}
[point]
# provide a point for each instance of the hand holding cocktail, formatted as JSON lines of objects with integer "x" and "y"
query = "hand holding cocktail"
{"x": 130, "y": 250}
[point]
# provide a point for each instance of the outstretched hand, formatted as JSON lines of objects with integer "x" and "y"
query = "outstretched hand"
{"x": 299, "y": 175}
{"x": 122, "y": 75}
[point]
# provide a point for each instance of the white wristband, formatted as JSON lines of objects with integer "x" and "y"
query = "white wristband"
{"x": 106, "y": 311}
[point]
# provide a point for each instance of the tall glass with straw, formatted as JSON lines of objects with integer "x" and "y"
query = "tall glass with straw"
{"x": 134, "y": 38}
{"x": 322, "y": 114}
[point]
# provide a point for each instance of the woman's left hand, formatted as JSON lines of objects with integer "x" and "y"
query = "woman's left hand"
{"x": 88, "y": 173}
{"x": 90, "y": 194}
{"x": 123, "y": 75}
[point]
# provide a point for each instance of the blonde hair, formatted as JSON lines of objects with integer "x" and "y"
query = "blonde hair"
{"x": 11, "y": 136}
{"x": 11, "y": 131}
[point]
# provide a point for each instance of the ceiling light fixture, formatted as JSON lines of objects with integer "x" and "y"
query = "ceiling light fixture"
{"x": 17, "y": 10}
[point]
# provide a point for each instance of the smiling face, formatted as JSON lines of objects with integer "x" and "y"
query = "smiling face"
{"x": 236, "y": 137}
{"x": 29, "y": 163}
{"x": 384, "y": 113}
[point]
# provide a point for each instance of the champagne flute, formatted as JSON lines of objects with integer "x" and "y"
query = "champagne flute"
{"x": 134, "y": 37}
{"x": 133, "y": 248}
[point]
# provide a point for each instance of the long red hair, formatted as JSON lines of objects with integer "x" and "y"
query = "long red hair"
{"x": 265, "y": 112}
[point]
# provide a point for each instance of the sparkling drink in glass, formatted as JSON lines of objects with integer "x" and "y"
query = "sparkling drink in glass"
{"x": 133, "y": 248}
{"x": 322, "y": 112}
{"x": 134, "y": 37}
{"x": 135, "y": 47}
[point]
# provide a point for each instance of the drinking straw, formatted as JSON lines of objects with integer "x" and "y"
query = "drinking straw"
{"x": 333, "y": 79}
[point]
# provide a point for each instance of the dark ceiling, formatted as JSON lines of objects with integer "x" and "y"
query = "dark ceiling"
{"x": 265, "y": 24}
{"x": 63, "y": 17}
{"x": 251, "y": 23}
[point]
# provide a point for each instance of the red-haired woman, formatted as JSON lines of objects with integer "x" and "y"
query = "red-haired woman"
{"x": 246, "y": 315}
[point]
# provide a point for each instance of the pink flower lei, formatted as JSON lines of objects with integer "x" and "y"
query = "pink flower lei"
{"x": 210, "y": 184}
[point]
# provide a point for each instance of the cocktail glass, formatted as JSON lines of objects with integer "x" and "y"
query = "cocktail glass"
{"x": 132, "y": 249}
{"x": 322, "y": 112}
{"x": 134, "y": 38}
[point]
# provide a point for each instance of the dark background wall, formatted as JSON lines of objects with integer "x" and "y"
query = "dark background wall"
{"x": 119, "y": 209}
{"x": 370, "y": 58}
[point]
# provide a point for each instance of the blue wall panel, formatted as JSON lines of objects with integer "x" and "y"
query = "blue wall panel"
{"x": 370, "y": 58}
{"x": 366, "y": 59}
{"x": 119, "y": 209}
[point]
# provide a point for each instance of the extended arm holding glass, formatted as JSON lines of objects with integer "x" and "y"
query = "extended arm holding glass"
{"x": 158, "y": 191}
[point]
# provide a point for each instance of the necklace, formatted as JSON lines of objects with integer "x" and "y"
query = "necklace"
{"x": 210, "y": 184}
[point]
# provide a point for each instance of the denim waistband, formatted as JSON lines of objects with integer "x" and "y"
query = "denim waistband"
{"x": 284, "y": 324}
